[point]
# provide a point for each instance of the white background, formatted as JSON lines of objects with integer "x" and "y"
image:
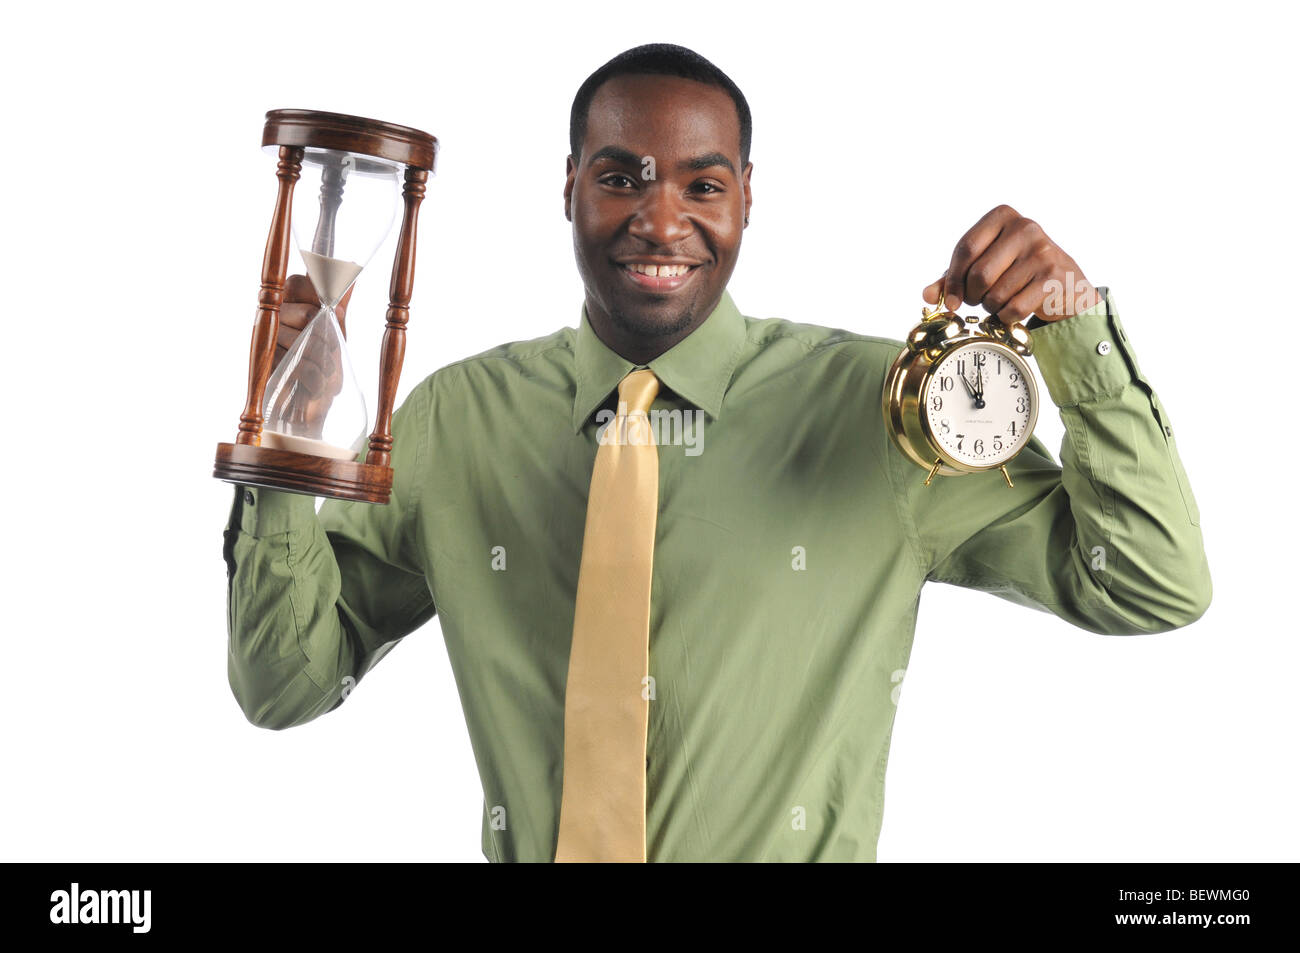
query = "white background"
{"x": 1155, "y": 145}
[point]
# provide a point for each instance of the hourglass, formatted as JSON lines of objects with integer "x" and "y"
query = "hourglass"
{"x": 304, "y": 424}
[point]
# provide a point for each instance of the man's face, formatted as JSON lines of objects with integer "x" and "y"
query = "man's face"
{"x": 658, "y": 188}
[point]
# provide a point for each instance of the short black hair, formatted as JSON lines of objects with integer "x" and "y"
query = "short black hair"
{"x": 657, "y": 59}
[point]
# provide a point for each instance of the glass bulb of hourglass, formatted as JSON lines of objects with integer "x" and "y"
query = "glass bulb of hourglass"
{"x": 313, "y": 403}
{"x": 344, "y": 207}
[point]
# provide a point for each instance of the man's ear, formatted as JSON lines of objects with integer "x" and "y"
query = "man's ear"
{"x": 570, "y": 173}
{"x": 749, "y": 196}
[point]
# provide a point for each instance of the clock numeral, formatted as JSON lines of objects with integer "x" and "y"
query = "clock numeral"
{"x": 1012, "y": 428}
{"x": 1022, "y": 404}
{"x": 980, "y": 360}
{"x": 945, "y": 383}
{"x": 979, "y": 446}
{"x": 944, "y": 426}
{"x": 999, "y": 365}
{"x": 997, "y": 442}
{"x": 1014, "y": 377}
{"x": 961, "y": 367}
{"x": 960, "y": 438}
{"x": 936, "y": 402}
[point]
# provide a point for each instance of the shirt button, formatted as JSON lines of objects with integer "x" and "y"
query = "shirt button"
{"x": 1103, "y": 347}
{"x": 248, "y": 497}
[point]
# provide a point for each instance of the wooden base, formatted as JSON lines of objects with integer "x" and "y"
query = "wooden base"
{"x": 303, "y": 473}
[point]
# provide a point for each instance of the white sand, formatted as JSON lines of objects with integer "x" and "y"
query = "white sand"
{"x": 331, "y": 277}
{"x": 319, "y": 448}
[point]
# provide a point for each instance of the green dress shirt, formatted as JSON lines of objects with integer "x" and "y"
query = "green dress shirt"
{"x": 792, "y": 544}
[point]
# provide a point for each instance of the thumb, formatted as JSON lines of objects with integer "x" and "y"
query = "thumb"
{"x": 933, "y": 292}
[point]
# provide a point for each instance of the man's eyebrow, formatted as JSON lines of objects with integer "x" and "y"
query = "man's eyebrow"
{"x": 627, "y": 157}
{"x": 618, "y": 154}
{"x": 707, "y": 162}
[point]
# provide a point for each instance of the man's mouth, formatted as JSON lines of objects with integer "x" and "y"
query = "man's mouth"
{"x": 658, "y": 276}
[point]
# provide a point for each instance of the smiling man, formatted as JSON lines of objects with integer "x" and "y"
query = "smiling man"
{"x": 658, "y": 192}
{"x": 671, "y": 656}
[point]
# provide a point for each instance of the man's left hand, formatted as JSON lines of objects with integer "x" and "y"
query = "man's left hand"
{"x": 1008, "y": 265}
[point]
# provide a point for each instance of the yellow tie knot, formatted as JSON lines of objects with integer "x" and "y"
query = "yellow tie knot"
{"x": 638, "y": 390}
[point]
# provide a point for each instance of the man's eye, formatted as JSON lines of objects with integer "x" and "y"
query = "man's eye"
{"x": 706, "y": 188}
{"x": 617, "y": 179}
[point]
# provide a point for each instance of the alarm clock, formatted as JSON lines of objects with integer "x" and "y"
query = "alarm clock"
{"x": 961, "y": 398}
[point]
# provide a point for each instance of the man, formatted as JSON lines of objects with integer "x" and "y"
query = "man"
{"x": 686, "y": 647}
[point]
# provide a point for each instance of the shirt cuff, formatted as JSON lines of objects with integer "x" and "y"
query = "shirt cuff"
{"x": 1086, "y": 356}
{"x": 261, "y": 511}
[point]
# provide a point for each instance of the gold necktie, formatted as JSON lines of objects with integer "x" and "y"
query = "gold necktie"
{"x": 606, "y": 707}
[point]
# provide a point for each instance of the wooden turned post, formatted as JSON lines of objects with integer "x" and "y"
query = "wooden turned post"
{"x": 393, "y": 348}
{"x": 275, "y": 263}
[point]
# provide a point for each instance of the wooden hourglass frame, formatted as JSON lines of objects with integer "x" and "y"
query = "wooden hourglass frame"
{"x": 246, "y": 460}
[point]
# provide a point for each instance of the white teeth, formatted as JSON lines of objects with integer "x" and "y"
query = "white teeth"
{"x": 659, "y": 271}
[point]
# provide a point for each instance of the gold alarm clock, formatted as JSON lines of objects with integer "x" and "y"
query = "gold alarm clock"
{"x": 961, "y": 396}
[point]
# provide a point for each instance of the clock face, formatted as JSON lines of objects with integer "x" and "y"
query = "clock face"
{"x": 981, "y": 404}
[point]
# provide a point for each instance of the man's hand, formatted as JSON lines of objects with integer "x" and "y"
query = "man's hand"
{"x": 320, "y": 371}
{"x": 1008, "y": 265}
{"x": 299, "y": 306}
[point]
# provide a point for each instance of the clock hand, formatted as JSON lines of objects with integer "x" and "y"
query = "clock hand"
{"x": 969, "y": 389}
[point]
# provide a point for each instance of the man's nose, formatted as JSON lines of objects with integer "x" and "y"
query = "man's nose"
{"x": 661, "y": 217}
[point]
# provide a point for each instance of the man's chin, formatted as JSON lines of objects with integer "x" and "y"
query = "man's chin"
{"x": 654, "y": 324}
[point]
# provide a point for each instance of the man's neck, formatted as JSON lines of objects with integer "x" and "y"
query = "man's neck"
{"x": 638, "y": 348}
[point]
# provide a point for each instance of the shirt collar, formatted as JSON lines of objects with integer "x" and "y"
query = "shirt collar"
{"x": 698, "y": 367}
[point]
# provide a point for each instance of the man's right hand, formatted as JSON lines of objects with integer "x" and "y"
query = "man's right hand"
{"x": 299, "y": 306}
{"x": 319, "y": 373}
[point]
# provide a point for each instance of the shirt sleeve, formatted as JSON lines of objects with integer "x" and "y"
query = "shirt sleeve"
{"x": 316, "y": 600}
{"x": 1110, "y": 538}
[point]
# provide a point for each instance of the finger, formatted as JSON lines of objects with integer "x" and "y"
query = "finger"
{"x": 932, "y": 291}
{"x": 973, "y": 244}
{"x": 323, "y": 365}
{"x": 332, "y": 369}
{"x": 286, "y": 335}
{"x": 298, "y": 289}
{"x": 1024, "y": 303}
{"x": 1019, "y": 277}
{"x": 297, "y": 316}
{"x": 988, "y": 268}
{"x": 311, "y": 378}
